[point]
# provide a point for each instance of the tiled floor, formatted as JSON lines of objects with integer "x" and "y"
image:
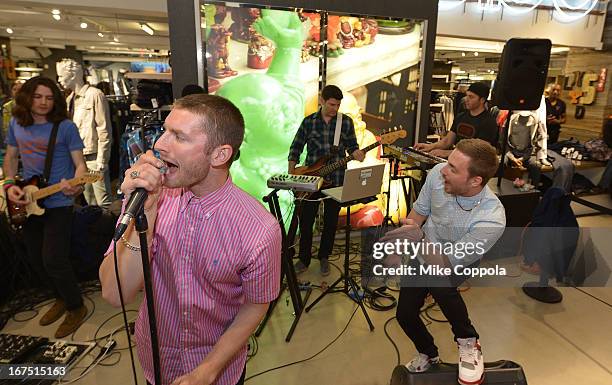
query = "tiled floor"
{"x": 566, "y": 343}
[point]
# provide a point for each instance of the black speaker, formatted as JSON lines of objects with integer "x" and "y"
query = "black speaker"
{"x": 522, "y": 74}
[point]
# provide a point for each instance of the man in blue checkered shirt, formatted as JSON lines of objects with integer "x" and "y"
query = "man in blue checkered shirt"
{"x": 317, "y": 133}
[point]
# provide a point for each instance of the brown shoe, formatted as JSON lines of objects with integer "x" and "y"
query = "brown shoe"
{"x": 71, "y": 323}
{"x": 53, "y": 314}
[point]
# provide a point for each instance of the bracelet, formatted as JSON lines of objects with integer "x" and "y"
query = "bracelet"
{"x": 8, "y": 181}
{"x": 128, "y": 244}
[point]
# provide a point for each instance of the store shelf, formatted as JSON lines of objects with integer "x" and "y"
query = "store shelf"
{"x": 29, "y": 69}
{"x": 149, "y": 76}
{"x": 355, "y": 68}
{"x": 136, "y": 108}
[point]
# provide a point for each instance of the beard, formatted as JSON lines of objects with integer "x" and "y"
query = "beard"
{"x": 188, "y": 174}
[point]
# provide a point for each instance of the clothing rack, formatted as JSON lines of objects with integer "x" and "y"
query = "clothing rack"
{"x": 139, "y": 136}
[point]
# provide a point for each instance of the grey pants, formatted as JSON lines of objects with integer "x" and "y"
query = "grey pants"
{"x": 98, "y": 193}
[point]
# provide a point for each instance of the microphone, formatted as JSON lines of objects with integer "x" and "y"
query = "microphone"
{"x": 133, "y": 207}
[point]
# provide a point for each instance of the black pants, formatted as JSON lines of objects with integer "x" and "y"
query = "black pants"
{"x": 47, "y": 239}
{"x": 240, "y": 381}
{"x": 412, "y": 299}
{"x": 309, "y": 210}
{"x": 553, "y": 134}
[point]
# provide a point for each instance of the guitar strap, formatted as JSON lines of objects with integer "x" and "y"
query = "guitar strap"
{"x": 338, "y": 129}
{"x": 50, "y": 151}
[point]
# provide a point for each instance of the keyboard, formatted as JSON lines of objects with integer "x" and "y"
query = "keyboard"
{"x": 420, "y": 159}
{"x": 307, "y": 183}
{"x": 14, "y": 347}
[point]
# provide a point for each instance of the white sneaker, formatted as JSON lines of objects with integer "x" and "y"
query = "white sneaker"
{"x": 471, "y": 363}
{"x": 421, "y": 363}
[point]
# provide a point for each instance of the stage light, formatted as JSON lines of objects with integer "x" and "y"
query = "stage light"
{"x": 55, "y": 12}
{"x": 57, "y": 17}
{"x": 9, "y": 30}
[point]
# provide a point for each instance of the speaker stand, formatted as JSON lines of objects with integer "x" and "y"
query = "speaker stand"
{"x": 500, "y": 169}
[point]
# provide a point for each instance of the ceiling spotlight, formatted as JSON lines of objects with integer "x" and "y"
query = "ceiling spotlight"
{"x": 462, "y": 53}
{"x": 9, "y": 30}
{"x": 92, "y": 47}
{"x": 55, "y": 12}
{"x": 83, "y": 25}
{"x": 475, "y": 53}
{"x": 145, "y": 27}
{"x": 57, "y": 16}
{"x": 115, "y": 39}
{"x": 100, "y": 34}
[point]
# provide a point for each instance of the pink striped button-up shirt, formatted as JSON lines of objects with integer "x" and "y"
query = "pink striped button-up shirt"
{"x": 209, "y": 256}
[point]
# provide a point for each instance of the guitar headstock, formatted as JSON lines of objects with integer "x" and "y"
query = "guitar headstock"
{"x": 392, "y": 134}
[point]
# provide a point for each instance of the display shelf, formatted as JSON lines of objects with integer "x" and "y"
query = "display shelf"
{"x": 356, "y": 67}
{"x": 149, "y": 76}
{"x": 136, "y": 108}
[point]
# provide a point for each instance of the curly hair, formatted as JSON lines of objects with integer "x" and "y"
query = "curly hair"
{"x": 22, "y": 111}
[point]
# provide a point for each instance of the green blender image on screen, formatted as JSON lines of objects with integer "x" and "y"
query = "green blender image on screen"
{"x": 272, "y": 104}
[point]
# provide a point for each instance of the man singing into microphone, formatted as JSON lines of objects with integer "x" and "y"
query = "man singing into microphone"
{"x": 215, "y": 250}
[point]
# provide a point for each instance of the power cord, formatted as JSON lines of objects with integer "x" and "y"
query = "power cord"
{"x": 397, "y": 352}
{"x": 311, "y": 357}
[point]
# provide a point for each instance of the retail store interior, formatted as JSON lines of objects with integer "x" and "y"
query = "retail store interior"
{"x": 137, "y": 58}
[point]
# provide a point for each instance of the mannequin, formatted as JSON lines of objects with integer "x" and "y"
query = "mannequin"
{"x": 527, "y": 147}
{"x": 88, "y": 108}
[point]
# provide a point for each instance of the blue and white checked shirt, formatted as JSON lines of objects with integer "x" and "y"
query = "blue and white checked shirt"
{"x": 447, "y": 222}
{"x": 318, "y": 137}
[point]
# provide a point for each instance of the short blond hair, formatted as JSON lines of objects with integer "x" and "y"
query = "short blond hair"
{"x": 220, "y": 119}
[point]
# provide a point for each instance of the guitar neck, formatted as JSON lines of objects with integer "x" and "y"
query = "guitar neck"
{"x": 45, "y": 192}
{"x": 341, "y": 163}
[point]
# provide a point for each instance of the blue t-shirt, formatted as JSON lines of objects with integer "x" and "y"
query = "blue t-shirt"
{"x": 32, "y": 143}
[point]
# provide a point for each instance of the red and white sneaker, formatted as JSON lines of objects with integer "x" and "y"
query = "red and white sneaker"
{"x": 471, "y": 363}
{"x": 421, "y": 363}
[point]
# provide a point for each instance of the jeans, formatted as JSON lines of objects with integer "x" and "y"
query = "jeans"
{"x": 563, "y": 171}
{"x": 412, "y": 299}
{"x": 309, "y": 210}
{"x": 47, "y": 240}
{"x": 98, "y": 193}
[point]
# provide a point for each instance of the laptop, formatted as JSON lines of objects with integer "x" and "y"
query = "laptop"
{"x": 358, "y": 183}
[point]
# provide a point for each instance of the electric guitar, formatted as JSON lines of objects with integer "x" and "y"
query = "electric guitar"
{"x": 322, "y": 169}
{"x": 35, "y": 191}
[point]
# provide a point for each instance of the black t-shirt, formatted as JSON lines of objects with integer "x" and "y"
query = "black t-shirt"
{"x": 481, "y": 126}
{"x": 556, "y": 111}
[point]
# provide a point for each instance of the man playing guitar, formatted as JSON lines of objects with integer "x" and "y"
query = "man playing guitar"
{"x": 39, "y": 107}
{"x": 317, "y": 132}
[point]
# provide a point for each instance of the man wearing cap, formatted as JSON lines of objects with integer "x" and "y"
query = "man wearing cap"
{"x": 475, "y": 122}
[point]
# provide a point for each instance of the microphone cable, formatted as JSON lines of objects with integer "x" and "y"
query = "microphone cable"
{"x": 125, "y": 320}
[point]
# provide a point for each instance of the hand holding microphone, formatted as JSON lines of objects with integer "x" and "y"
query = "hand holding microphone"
{"x": 142, "y": 184}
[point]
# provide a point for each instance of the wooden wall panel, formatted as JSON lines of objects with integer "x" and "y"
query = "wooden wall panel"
{"x": 590, "y": 126}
